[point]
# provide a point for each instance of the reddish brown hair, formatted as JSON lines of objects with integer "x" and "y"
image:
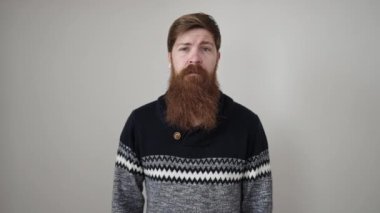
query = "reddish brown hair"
{"x": 193, "y": 21}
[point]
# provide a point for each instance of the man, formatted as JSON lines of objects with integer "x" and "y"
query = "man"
{"x": 196, "y": 149}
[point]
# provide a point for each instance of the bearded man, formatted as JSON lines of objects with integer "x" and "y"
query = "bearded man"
{"x": 195, "y": 149}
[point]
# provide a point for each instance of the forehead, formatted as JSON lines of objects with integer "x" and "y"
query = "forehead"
{"x": 195, "y": 36}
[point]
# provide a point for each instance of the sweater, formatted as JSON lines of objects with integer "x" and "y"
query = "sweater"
{"x": 226, "y": 169}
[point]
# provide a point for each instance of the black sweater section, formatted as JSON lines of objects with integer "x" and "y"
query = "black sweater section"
{"x": 239, "y": 133}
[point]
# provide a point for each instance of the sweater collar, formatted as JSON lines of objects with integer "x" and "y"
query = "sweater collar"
{"x": 225, "y": 103}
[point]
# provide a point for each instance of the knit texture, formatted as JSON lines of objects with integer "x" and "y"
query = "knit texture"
{"x": 224, "y": 170}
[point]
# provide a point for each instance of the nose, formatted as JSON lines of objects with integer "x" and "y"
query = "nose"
{"x": 195, "y": 58}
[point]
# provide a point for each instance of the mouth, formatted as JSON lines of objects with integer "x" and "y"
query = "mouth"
{"x": 193, "y": 76}
{"x": 193, "y": 72}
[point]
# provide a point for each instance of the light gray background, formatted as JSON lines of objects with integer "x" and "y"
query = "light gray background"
{"x": 72, "y": 71}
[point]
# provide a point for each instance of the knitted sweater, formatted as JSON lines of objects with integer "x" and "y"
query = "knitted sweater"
{"x": 224, "y": 170}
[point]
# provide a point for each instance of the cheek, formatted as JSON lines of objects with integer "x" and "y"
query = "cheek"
{"x": 178, "y": 64}
{"x": 212, "y": 65}
{"x": 177, "y": 67}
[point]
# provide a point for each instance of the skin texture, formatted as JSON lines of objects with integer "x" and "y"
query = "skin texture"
{"x": 196, "y": 47}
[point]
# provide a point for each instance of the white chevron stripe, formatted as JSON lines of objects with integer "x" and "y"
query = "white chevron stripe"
{"x": 130, "y": 166}
{"x": 209, "y": 176}
{"x": 194, "y": 176}
{"x": 159, "y": 173}
{"x": 253, "y": 173}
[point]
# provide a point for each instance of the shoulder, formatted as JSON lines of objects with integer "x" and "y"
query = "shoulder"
{"x": 247, "y": 123}
{"x": 148, "y": 113}
{"x": 146, "y": 108}
{"x": 241, "y": 113}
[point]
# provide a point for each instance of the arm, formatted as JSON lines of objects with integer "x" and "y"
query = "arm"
{"x": 128, "y": 178}
{"x": 257, "y": 184}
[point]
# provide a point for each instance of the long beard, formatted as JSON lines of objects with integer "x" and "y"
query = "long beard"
{"x": 192, "y": 99}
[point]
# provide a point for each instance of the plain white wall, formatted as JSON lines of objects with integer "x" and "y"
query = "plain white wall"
{"x": 72, "y": 71}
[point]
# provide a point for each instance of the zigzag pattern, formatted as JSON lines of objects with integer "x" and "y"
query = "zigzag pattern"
{"x": 258, "y": 171}
{"x": 194, "y": 167}
{"x": 206, "y": 176}
{"x": 166, "y": 159}
{"x": 126, "y": 151}
{"x": 237, "y": 169}
{"x": 127, "y": 159}
{"x": 195, "y": 171}
{"x": 214, "y": 180}
{"x": 219, "y": 180}
{"x": 259, "y": 159}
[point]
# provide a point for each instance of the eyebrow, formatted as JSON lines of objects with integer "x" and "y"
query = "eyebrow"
{"x": 202, "y": 43}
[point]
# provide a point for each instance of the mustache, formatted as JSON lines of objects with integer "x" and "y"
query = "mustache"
{"x": 193, "y": 69}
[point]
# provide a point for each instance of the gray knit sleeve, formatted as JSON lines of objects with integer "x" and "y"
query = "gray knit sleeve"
{"x": 128, "y": 183}
{"x": 128, "y": 178}
{"x": 257, "y": 185}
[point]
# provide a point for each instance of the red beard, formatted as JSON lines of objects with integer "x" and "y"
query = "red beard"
{"x": 192, "y": 99}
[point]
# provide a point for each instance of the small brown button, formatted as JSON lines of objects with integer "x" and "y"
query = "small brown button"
{"x": 177, "y": 136}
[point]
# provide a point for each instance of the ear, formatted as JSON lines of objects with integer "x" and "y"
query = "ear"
{"x": 169, "y": 57}
{"x": 218, "y": 57}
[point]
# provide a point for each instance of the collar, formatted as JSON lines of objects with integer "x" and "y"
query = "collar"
{"x": 224, "y": 106}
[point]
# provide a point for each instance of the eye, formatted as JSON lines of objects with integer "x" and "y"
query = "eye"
{"x": 206, "y": 49}
{"x": 183, "y": 49}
